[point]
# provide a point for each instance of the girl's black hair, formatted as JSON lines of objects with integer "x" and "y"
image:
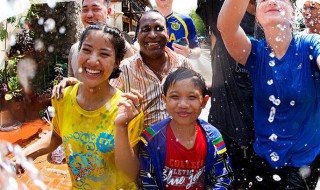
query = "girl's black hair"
{"x": 182, "y": 73}
{"x": 116, "y": 39}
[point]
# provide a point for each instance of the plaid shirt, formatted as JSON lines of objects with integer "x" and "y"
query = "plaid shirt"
{"x": 137, "y": 75}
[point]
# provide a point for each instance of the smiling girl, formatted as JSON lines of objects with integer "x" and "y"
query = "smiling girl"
{"x": 94, "y": 121}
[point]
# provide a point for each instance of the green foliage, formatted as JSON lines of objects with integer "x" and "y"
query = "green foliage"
{"x": 10, "y": 86}
{"x": 200, "y": 26}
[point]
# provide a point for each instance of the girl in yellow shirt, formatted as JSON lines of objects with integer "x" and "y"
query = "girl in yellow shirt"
{"x": 98, "y": 125}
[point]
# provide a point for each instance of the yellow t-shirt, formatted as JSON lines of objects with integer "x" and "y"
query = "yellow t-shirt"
{"x": 88, "y": 141}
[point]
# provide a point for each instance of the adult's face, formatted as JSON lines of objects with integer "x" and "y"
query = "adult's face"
{"x": 152, "y": 35}
{"x": 94, "y": 11}
{"x": 311, "y": 14}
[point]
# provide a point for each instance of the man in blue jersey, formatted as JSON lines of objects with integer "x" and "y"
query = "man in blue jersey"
{"x": 182, "y": 32}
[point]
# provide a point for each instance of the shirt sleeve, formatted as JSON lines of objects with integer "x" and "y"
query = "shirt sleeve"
{"x": 147, "y": 177}
{"x": 192, "y": 37}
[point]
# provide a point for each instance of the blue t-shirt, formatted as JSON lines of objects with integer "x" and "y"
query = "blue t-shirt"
{"x": 286, "y": 101}
{"x": 180, "y": 26}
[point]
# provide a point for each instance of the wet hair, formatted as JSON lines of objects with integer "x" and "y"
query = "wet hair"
{"x": 116, "y": 38}
{"x": 105, "y": 2}
{"x": 182, "y": 73}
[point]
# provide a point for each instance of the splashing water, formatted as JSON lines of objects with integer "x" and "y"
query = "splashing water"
{"x": 310, "y": 57}
{"x": 272, "y": 54}
{"x": 272, "y": 63}
{"x": 8, "y": 178}
{"x": 292, "y": 103}
{"x": 26, "y": 71}
{"x": 259, "y": 179}
{"x": 40, "y": 21}
{"x": 49, "y": 25}
{"x": 62, "y": 30}
{"x": 38, "y": 45}
{"x": 50, "y": 49}
{"x": 12, "y": 40}
{"x": 270, "y": 82}
{"x": 272, "y": 114}
{"x": 276, "y": 177}
{"x": 304, "y": 172}
{"x": 51, "y": 3}
{"x": 273, "y": 137}
{"x": 274, "y": 156}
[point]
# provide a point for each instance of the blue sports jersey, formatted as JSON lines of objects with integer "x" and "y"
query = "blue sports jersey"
{"x": 286, "y": 101}
{"x": 180, "y": 26}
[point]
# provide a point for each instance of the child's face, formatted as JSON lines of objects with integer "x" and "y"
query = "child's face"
{"x": 184, "y": 102}
{"x": 96, "y": 58}
{"x": 274, "y": 12}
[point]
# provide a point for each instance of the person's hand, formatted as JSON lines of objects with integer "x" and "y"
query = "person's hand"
{"x": 180, "y": 49}
{"x": 128, "y": 108}
{"x": 17, "y": 166}
{"x": 57, "y": 91}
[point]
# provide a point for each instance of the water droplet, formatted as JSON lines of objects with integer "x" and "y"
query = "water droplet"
{"x": 62, "y": 30}
{"x": 149, "y": 175}
{"x": 274, "y": 156}
{"x": 26, "y": 71}
{"x": 276, "y": 177}
{"x": 12, "y": 40}
{"x": 49, "y": 25}
{"x": 282, "y": 12}
{"x": 272, "y": 114}
{"x": 311, "y": 47}
{"x": 273, "y": 137}
{"x": 277, "y": 102}
{"x": 40, "y": 21}
{"x": 272, "y": 54}
{"x": 270, "y": 82}
{"x": 300, "y": 66}
{"x": 306, "y": 145}
{"x": 272, "y": 63}
{"x": 80, "y": 70}
{"x": 292, "y": 103}
{"x": 50, "y": 49}
{"x": 272, "y": 98}
{"x": 38, "y": 45}
{"x": 51, "y": 3}
{"x": 310, "y": 57}
{"x": 91, "y": 90}
{"x": 278, "y": 39}
{"x": 304, "y": 172}
{"x": 258, "y": 178}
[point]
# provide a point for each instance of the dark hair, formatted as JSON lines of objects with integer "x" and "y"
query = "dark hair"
{"x": 116, "y": 39}
{"x": 150, "y": 11}
{"x": 104, "y": 1}
{"x": 182, "y": 73}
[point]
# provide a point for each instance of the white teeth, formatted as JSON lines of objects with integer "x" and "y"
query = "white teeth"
{"x": 90, "y": 71}
{"x": 152, "y": 44}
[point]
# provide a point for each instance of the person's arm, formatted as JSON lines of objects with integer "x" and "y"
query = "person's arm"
{"x": 186, "y": 51}
{"x": 147, "y": 177}
{"x": 223, "y": 172}
{"x": 234, "y": 38}
{"x": 48, "y": 143}
{"x": 130, "y": 50}
{"x": 70, "y": 70}
{"x": 126, "y": 156}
